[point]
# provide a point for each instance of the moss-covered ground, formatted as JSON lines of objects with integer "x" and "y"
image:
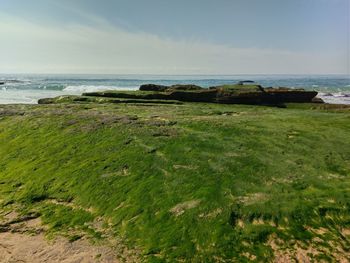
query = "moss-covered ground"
{"x": 191, "y": 182}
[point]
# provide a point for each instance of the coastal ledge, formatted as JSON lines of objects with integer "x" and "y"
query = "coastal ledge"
{"x": 252, "y": 94}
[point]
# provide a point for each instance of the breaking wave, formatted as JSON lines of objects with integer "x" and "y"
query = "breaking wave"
{"x": 91, "y": 88}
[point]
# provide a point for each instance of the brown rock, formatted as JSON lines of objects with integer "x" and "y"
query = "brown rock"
{"x": 317, "y": 100}
{"x": 153, "y": 87}
{"x": 184, "y": 87}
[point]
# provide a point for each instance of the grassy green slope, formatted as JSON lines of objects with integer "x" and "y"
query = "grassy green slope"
{"x": 200, "y": 182}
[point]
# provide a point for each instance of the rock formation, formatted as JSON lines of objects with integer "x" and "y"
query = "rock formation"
{"x": 153, "y": 87}
{"x": 240, "y": 93}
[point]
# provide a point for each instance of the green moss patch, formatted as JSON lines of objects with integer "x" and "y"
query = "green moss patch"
{"x": 193, "y": 182}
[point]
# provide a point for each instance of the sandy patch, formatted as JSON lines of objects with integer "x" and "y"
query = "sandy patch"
{"x": 300, "y": 253}
{"x": 16, "y": 247}
{"x": 211, "y": 214}
{"x": 179, "y": 209}
{"x": 345, "y": 231}
{"x": 22, "y": 239}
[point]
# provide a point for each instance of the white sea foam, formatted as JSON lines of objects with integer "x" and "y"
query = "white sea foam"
{"x": 340, "y": 94}
{"x": 325, "y": 94}
{"x": 92, "y": 88}
{"x": 335, "y": 98}
{"x": 15, "y": 96}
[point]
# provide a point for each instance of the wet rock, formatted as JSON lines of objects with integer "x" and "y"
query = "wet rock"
{"x": 46, "y": 101}
{"x": 153, "y": 87}
{"x": 184, "y": 87}
{"x": 162, "y": 88}
{"x": 203, "y": 95}
{"x": 328, "y": 94}
{"x": 290, "y": 95}
{"x": 228, "y": 94}
{"x": 317, "y": 100}
{"x": 245, "y": 81}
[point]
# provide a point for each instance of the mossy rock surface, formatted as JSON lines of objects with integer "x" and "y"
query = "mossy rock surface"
{"x": 239, "y": 88}
{"x": 162, "y": 88}
{"x": 197, "y": 182}
{"x": 103, "y": 99}
{"x": 184, "y": 87}
{"x": 153, "y": 87}
{"x": 252, "y": 94}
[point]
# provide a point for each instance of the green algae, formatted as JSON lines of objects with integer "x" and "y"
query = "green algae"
{"x": 193, "y": 182}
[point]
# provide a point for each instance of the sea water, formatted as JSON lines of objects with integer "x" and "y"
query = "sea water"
{"x": 29, "y": 88}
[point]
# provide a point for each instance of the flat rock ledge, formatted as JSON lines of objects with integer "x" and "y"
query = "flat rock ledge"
{"x": 252, "y": 94}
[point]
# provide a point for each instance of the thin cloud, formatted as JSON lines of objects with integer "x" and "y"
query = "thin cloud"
{"x": 28, "y": 47}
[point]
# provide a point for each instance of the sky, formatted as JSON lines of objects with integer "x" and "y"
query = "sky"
{"x": 175, "y": 37}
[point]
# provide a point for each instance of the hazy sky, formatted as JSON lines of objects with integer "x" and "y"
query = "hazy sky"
{"x": 174, "y": 37}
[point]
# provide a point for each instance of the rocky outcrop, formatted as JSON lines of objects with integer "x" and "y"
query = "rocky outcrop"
{"x": 256, "y": 94}
{"x": 162, "y": 88}
{"x": 2, "y": 83}
{"x": 317, "y": 100}
{"x": 227, "y": 94}
{"x": 290, "y": 95}
{"x": 184, "y": 87}
{"x": 245, "y": 81}
{"x": 103, "y": 99}
{"x": 153, "y": 87}
{"x": 203, "y": 95}
{"x": 46, "y": 101}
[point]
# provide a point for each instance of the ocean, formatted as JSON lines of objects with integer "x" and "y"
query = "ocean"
{"x": 27, "y": 89}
